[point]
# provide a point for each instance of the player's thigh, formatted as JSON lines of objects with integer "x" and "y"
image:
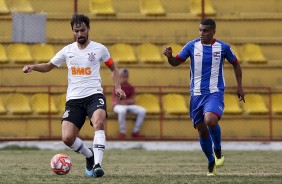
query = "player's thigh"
{"x": 196, "y": 109}
{"x": 214, "y": 105}
{"x": 74, "y": 114}
{"x": 69, "y": 130}
{"x": 98, "y": 119}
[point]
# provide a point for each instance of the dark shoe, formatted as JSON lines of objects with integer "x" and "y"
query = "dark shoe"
{"x": 89, "y": 166}
{"x": 98, "y": 171}
{"x": 137, "y": 135}
{"x": 122, "y": 136}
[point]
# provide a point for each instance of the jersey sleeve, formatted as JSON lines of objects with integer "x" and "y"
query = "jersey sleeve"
{"x": 106, "y": 58}
{"x": 59, "y": 58}
{"x": 184, "y": 53}
{"x": 230, "y": 56}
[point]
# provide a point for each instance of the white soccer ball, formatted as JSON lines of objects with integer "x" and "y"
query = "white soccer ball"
{"x": 61, "y": 164}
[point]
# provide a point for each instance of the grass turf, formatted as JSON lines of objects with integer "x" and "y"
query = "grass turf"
{"x": 141, "y": 166}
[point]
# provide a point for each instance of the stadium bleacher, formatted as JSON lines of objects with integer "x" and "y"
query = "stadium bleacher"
{"x": 127, "y": 29}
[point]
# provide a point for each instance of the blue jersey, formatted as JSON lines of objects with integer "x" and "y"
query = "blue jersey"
{"x": 206, "y": 67}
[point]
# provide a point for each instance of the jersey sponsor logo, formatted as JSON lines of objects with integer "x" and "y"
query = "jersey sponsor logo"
{"x": 198, "y": 54}
{"x": 216, "y": 55}
{"x": 91, "y": 57}
{"x": 80, "y": 70}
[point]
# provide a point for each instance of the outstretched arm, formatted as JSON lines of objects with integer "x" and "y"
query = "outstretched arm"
{"x": 43, "y": 67}
{"x": 173, "y": 61}
{"x": 238, "y": 74}
{"x": 118, "y": 91}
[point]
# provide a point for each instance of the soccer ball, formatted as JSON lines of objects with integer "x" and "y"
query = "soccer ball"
{"x": 61, "y": 164}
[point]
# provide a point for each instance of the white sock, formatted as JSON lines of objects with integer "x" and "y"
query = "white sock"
{"x": 79, "y": 147}
{"x": 99, "y": 146}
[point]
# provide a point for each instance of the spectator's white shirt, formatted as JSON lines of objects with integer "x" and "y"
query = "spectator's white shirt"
{"x": 83, "y": 68}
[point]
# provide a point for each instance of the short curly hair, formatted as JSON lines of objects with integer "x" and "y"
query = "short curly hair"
{"x": 209, "y": 22}
{"x": 78, "y": 19}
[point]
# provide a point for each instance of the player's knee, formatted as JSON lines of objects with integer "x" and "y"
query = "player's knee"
{"x": 211, "y": 120}
{"x": 202, "y": 130}
{"x": 99, "y": 125}
{"x": 68, "y": 140}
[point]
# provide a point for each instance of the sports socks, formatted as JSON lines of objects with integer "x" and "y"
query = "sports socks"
{"x": 216, "y": 137}
{"x": 99, "y": 146}
{"x": 79, "y": 147}
{"x": 206, "y": 144}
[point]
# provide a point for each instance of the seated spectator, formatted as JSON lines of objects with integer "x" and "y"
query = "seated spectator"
{"x": 122, "y": 107}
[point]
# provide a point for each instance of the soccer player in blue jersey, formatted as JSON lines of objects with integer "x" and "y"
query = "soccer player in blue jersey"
{"x": 207, "y": 87}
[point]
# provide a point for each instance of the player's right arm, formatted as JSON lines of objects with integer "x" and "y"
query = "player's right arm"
{"x": 173, "y": 61}
{"x": 42, "y": 67}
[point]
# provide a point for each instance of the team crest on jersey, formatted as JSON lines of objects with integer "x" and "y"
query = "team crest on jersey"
{"x": 66, "y": 114}
{"x": 91, "y": 57}
{"x": 216, "y": 55}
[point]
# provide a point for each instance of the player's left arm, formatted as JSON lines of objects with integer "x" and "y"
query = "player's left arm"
{"x": 115, "y": 75}
{"x": 238, "y": 74}
{"x": 231, "y": 57}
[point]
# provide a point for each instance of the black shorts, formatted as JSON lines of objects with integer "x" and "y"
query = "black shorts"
{"x": 77, "y": 109}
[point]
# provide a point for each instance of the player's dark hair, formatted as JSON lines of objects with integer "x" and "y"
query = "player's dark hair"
{"x": 78, "y": 19}
{"x": 209, "y": 22}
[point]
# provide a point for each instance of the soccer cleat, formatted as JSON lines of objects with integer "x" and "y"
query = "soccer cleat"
{"x": 212, "y": 169}
{"x": 219, "y": 158}
{"x": 89, "y": 171}
{"x": 98, "y": 171}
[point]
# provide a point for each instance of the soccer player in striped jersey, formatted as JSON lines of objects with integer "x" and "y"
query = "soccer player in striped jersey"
{"x": 85, "y": 93}
{"x": 207, "y": 87}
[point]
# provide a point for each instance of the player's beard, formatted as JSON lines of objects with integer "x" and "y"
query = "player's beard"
{"x": 82, "y": 40}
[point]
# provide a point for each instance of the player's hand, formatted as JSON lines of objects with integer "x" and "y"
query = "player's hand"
{"x": 168, "y": 51}
{"x": 120, "y": 93}
{"x": 27, "y": 69}
{"x": 241, "y": 94}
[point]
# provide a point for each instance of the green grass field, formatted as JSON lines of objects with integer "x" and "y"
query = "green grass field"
{"x": 141, "y": 166}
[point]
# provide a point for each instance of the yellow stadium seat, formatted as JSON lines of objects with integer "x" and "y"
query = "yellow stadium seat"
{"x": 196, "y": 7}
{"x": 40, "y": 103}
{"x": 255, "y": 104}
{"x": 61, "y": 102}
{"x": 3, "y": 55}
{"x": 276, "y": 103}
{"x": 149, "y": 53}
{"x": 123, "y": 53}
{"x": 252, "y": 53}
{"x": 236, "y": 52}
{"x": 175, "y": 104}
{"x": 231, "y": 104}
{"x": 151, "y": 7}
{"x": 18, "y": 103}
{"x": 149, "y": 101}
{"x": 20, "y": 6}
{"x": 42, "y": 52}
{"x": 19, "y": 53}
{"x": 3, "y": 7}
{"x": 2, "y": 106}
{"x": 101, "y": 7}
